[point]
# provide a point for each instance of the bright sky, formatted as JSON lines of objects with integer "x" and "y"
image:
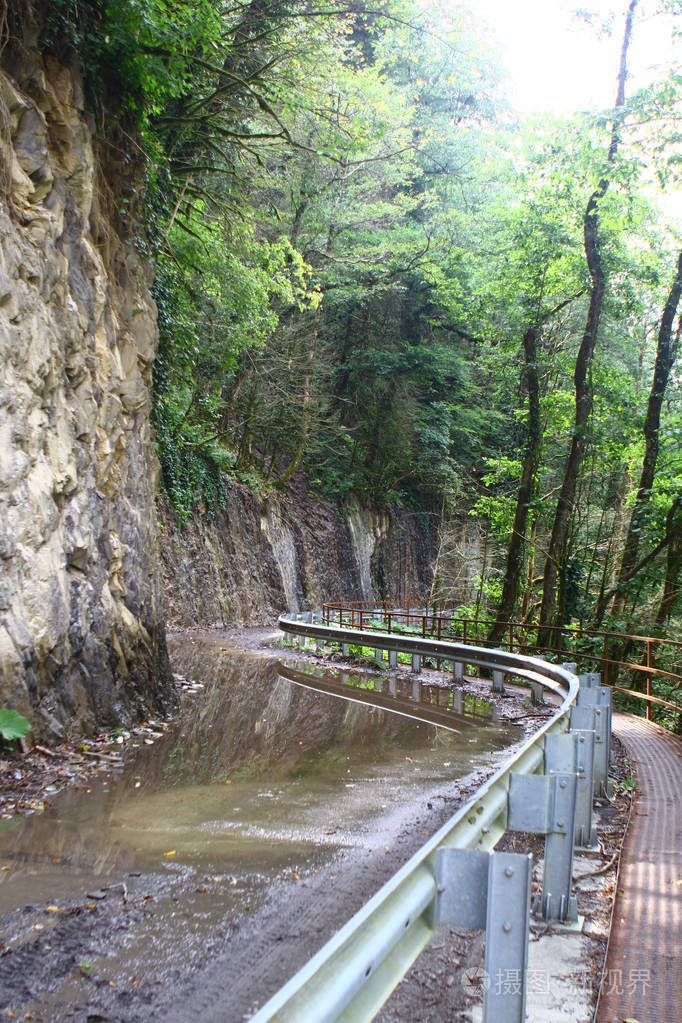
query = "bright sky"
{"x": 559, "y": 63}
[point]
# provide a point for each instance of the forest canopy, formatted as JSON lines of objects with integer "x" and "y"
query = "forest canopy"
{"x": 371, "y": 271}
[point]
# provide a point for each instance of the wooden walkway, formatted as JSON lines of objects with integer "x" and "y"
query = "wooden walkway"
{"x": 643, "y": 980}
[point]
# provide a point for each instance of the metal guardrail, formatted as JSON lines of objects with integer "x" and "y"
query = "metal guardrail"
{"x": 351, "y": 977}
{"x": 589, "y": 646}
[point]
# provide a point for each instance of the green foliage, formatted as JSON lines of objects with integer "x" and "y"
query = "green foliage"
{"x": 13, "y": 725}
{"x": 351, "y": 246}
{"x": 192, "y": 468}
{"x": 217, "y": 296}
{"x": 135, "y": 55}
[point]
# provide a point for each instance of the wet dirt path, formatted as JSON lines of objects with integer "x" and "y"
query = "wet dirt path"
{"x": 193, "y": 884}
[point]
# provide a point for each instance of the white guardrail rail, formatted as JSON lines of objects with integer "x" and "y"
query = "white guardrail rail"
{"x": 455, "y": 878}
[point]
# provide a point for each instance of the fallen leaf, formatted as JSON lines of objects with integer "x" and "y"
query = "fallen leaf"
{"x": 9, "y": 868}
{"x": 53, "y": 909}
{"x": 171, "y": 853}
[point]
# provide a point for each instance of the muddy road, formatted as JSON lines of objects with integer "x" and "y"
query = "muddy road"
{"x": 191, "y": 883}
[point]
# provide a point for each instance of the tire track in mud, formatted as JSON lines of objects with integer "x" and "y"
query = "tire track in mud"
{"x": 264, "y": 951}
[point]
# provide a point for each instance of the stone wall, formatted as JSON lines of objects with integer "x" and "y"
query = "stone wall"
{"x": 81, "y": 636}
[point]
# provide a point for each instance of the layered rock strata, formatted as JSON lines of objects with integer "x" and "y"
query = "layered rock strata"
{"x": 261, "y": 557}
{"x": 81, "y": 636}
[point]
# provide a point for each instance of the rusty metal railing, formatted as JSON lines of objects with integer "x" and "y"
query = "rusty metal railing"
{"x": 608, "y": 652}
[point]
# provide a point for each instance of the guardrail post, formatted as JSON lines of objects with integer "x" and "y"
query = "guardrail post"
{"x": 591, "y": 718}
{"x": 570, "y": 666}
{"x": 416, "y": 663}
{"x": 573, "y": 753}
{"x": 545, "y": 805}
{"x": 457, "y": 671}
{"x": 600, "y": 696}
{"x": 378, "y": 654}
{"x": 416, "y": 692}
{"x": 606, "y": 700}
{"x": 498, "y": 681}
{"x": 345, "y": 649}
{"x": 586, "y": 836}
{"x": 557, "y": 901}
{"x": 393, "y": 658}
{"x": 537, "y": 694}
{"x": 491, "y": 891}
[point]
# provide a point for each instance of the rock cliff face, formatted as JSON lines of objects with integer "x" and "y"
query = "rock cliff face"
{"x": 261, "y": 558}
{"x": 81, "y": 636}
{"x": 82, "y": 642}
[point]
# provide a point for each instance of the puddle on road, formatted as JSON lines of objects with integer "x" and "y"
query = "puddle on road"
{"x": 249, "y": 779}
{"x": 260, "y": 779}
{"x": 433, "y": 704}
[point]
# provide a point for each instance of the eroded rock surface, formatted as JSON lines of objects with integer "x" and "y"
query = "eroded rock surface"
{"x": 289, "y": 552}
{"x": 81, "y": 637}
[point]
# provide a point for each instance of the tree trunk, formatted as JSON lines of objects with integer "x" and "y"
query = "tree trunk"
{"x": 665, "y": 357}
{"x": 306, "y": 404}
{"x": 527, "y": 483}
{"x": 556, "y": 552}
{"x": 672, "y": 590}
